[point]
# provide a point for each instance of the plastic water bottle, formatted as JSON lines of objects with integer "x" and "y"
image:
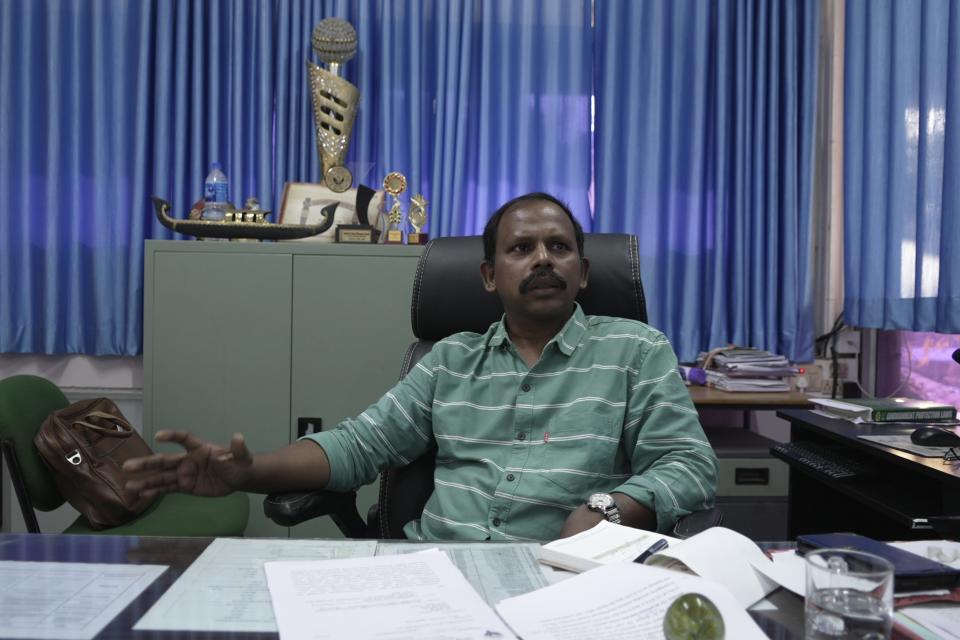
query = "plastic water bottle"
{"x": 215, "y": 189}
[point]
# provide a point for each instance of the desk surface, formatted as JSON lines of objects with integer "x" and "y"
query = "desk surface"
{"x": 710, "y": 397}
{"x": 781, "y": 617}
{"x": 893, "y": 499}
{"x": 847, "y": 433}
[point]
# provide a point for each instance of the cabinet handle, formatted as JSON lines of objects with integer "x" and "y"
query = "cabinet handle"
{"x": 307, "y": 425}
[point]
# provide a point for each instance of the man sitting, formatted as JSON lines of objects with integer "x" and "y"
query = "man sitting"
{"x": 546, "y": 424}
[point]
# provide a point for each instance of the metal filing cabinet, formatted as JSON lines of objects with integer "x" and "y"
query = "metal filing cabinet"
{"x": 753, "y": 486}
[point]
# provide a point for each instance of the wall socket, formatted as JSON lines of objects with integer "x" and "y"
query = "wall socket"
{"x": 820, "y": 373}
{"x": 848, "y": 342}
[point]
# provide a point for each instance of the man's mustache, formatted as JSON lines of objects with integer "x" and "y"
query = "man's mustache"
{"x": 542, "y": 277}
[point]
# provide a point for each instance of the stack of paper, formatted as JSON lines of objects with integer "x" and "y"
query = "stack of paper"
{"x": 742, "y": 568}
{"x": 886, "y": 410}
{"x": 746, "y": 369}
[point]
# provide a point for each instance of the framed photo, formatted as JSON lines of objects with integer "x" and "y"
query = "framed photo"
{"x": 302, "y": 203}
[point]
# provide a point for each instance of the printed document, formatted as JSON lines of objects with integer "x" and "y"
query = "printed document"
{"x": 617, "y": 602}
{"x": 67, "y": 600}
{"x": 496, "y": 570}
{"x": 717, "y": 553}
{"x": 394, "y": 597}
{"x": 225, "y": 588}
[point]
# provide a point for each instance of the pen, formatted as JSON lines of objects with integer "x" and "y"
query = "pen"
{"x": 659, "y": 545}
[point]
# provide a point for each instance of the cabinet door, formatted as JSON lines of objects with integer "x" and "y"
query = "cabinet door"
{"x": 351, "y": 327}
{"x": 217, "y": 351}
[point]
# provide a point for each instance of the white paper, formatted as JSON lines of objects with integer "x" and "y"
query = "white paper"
{"x": 617, "y": 602}
{"x": 789, "y": 570}
{"x": 416, "y": 596}
{"x": 727, "y": 557}
{"x": 941, "y": 619}
{"x": 225, "y": 588}
{"x": 943, "y": 551}
{"x": 68, "y": 600}
{"x": 495, "y": 570}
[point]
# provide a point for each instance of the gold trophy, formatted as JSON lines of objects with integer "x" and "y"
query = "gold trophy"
{"x": 335, "y": 100}
{"x": 418, "y": 218}
{"x": 395, "y": 183}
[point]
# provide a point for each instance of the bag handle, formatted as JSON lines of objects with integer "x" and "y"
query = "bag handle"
{"x": 123, "y": 428}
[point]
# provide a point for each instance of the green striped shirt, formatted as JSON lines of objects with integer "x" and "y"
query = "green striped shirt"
{"x": 520, "y": 448}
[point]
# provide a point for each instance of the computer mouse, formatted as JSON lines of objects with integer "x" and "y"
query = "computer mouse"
{"x": 935, "y": 437}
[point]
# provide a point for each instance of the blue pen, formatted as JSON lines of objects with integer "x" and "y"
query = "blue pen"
{"x": 659, "y": 545}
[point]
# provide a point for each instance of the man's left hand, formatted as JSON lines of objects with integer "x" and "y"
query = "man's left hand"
{"x": 581, "y": 519}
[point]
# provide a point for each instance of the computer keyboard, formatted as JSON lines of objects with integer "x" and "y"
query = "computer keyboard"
{"x": 821, "y": 459}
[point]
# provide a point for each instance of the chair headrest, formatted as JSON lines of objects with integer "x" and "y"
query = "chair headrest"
{"x": 448, "y": 292}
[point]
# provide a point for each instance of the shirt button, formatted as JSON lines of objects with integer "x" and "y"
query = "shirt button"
{"x": 525, "y": 387}
{"x": 496, "y": 522}
{"x": 521, "y": 436}
{"x": 511, "y": 477}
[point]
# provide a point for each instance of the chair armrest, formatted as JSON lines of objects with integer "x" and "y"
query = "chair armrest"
{"x": 292, "y": 508}
{"x": 694, "y": 523}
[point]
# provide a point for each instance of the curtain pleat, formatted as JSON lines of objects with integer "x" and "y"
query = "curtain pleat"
{"x": 902, "y": 165}
{"x": 704, "y": 135}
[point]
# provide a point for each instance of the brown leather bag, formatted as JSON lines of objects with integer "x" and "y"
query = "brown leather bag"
{"x": 85, "y": 445}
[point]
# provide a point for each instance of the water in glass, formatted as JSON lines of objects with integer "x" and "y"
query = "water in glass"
{"x": 847, "y": 614}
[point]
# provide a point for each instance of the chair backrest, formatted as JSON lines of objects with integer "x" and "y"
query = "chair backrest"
{"x": 449, "y": 297}
{"x": 25, "y": 401}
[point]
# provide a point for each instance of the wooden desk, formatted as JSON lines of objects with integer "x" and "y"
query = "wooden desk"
{"x": 709, "y": 397}
{"x": 891, "y": 503}
{"x": 781, "y": 617}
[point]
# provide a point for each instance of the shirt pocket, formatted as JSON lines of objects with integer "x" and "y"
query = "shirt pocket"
{"x": 579, "y": 454}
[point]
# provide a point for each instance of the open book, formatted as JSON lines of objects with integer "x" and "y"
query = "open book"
{"x": 717, "y": 554}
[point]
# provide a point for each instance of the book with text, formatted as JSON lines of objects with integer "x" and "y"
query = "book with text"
{"x": 718, "y": 554}
{"x": 887, "y": 409}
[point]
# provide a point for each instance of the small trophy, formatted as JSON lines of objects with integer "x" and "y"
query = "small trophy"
{"x": 395, "y": 183}
{"x": 418, "y": 218}
{"x": 335, "y": 100}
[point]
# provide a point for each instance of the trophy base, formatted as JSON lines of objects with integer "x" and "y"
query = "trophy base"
{"x": 357, "y": 234}
{"x": 394, "y": 236}
{"x": 418, "y": 238}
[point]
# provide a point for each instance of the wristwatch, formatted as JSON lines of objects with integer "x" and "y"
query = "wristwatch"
{"x": 605, "y": 504}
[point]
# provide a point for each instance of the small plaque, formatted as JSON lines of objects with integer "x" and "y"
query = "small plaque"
{"x": 418, "y": 238}
{"x": 394, "y": 236}
{"x": 357, "y": 234}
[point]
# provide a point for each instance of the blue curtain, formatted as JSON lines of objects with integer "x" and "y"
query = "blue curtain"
{"x": 704, "y": 131}
{"x": 104, "y": 103}
{"x": 902, "y": 165}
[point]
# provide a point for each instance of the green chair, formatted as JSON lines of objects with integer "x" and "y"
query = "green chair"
{"x": 25, "y": 401}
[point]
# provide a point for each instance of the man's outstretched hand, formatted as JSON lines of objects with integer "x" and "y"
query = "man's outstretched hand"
{"x": 202, "y": 468}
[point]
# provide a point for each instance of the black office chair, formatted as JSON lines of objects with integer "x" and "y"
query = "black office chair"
{"x": 449, "y": 297}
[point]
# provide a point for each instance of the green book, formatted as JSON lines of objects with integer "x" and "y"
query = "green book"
{"x": 889, "y": 409}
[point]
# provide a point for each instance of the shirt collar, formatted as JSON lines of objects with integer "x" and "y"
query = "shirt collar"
{"x": 567, "y": 338}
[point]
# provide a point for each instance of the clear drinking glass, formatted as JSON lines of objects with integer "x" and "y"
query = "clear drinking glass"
{"x": 849, "y": 596}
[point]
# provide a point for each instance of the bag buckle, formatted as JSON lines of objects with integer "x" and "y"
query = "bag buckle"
{"x": 75, "y": 458}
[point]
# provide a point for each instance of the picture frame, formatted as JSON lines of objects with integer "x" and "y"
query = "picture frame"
{"x": 302, "y": 203}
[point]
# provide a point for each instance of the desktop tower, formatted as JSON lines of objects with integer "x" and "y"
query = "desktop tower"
{"x": 752, "y": 487}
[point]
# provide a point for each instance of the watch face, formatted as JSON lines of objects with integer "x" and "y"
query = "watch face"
{"x": 601, "y": 501}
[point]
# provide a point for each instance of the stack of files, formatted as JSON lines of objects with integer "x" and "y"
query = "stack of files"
{"x": 886, "y": 409}
{"x": 726, "y": 383}
{"x": 745, "y": 369}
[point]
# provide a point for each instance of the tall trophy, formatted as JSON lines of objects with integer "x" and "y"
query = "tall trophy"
{"x": 395, "y": 183}
{"x": 418, "y": 218}
{"x": 335, "y": 100}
